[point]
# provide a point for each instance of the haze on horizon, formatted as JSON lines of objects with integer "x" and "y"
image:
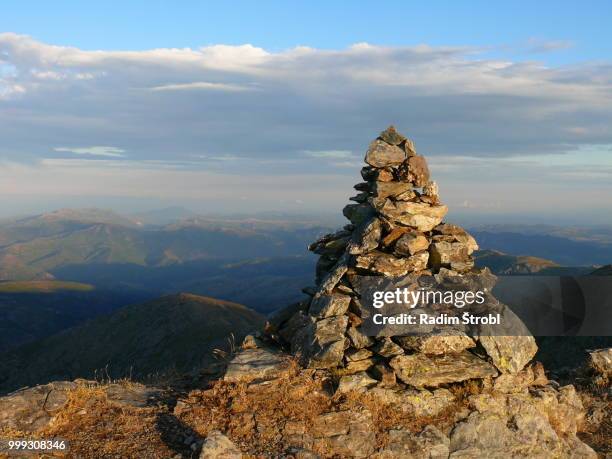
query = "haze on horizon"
{"x": 137, "y": 110}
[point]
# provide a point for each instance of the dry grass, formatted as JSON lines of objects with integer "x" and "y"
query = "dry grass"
{"x": 96, "y": 428}
{"x": 597, "y": 431}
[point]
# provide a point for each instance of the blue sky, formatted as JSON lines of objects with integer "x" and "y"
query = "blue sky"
{"x": 238, "y": 106}
{"x": 516, "y": 28}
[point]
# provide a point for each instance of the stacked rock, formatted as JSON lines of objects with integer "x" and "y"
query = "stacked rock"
{"x": 396, "y": 229}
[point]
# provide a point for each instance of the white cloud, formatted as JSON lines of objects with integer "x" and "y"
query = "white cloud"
{"x": 202, "y": 85}
{"x": 307, "y": 111}
{"x": 112, "y": 152}
{"x": 334, "y": 154}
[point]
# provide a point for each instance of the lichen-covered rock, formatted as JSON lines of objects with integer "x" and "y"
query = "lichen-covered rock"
{"x": 431, "y": 443}
{"x": 421, "y": 371}
{"x": 542, "y": 424}
{"x": 345, "y": 434}
{"x": 532, "y": 375}
{"x": 218, "y": 446}
{"x": 420, "y": 403}
{"x": 355, "y": 382}
{"x": 509, "y": 354}
{"x": 437, "y": 344}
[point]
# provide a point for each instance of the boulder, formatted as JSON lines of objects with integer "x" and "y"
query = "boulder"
{"x": 525, "y": 425}
{"x": 218, "y": 446}
{"x": 419, "y": 370}
{"x": 509, "y": 354}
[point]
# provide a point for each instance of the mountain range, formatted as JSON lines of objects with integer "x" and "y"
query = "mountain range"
{"x": 79, "y": 276}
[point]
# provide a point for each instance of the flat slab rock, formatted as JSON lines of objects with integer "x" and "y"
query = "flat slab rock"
{"x": 419, "y": 370}
{"x": 135, "y": 395}
{"x": 32, "y": 409}
{"x": 418, "y": 215}
{"x": 256, "y": 364}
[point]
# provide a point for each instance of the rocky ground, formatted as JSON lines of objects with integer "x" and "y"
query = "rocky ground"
{"x": 266, "y": 405}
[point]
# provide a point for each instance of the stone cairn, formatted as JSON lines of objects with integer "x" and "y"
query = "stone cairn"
{"x": 396, "y": 229}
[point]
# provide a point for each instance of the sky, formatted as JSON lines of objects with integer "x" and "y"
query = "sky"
{"x": 257, "y": 106}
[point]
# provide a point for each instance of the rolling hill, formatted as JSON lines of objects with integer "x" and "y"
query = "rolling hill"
{"x": 566, "y": 250}
{"x": 176, "y": 332}
{"x": 34, "y": 310}
{"x": 35, "y": 247}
